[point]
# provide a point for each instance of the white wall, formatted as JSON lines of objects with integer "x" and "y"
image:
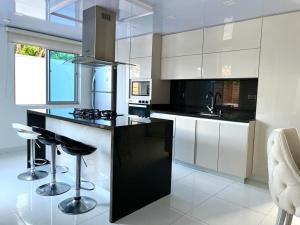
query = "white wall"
{"x": 278, "y": 103}
{"x": 9, "y": 112}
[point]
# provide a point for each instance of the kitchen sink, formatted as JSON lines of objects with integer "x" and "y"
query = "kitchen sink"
{"x": 209, "y": 114}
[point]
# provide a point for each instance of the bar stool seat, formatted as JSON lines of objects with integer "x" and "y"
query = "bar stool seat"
{"x": 53, "y": 188}
{"x": 78, "y": 204}
{"x": 27, "y": 133}
{"x": 48, "y": 138}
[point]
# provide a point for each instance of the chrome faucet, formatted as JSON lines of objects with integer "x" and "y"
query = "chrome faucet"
{"x": 212, "y": 105}
{"x": 212, "y": 108}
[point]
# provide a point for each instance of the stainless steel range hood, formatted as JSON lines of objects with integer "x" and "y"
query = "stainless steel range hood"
{"x": 98, "y": 38}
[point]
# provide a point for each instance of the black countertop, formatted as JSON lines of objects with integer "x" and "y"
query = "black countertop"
{"x": 120, "y": 121}
{"x": 228, "y": 115}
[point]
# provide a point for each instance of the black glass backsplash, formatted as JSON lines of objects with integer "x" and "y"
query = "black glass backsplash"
{"x": 235, "y": 94}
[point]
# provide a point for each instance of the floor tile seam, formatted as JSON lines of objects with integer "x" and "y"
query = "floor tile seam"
{"x": 176, "y": 180}
{"x": 92, "y": 217}
{"x": 202, "y": 203}
{"x": 23, "y": 221}
{"x": 242, "y": 206}
{"x": 185, "y": 214}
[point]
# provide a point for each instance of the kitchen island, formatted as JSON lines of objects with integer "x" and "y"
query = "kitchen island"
{"x": 133, "y": 160}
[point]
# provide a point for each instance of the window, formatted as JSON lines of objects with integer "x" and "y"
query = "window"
{"x": 43, "y": 77}
{"x": 62, "y": 82}
{"x": 32, "y": 8}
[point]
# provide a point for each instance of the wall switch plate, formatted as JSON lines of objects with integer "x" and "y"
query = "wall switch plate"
{"x": 251, "y": 97}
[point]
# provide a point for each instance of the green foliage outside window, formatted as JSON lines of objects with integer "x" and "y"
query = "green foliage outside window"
{"x": 61, "y": 55}
{"x": 30, "y": 50}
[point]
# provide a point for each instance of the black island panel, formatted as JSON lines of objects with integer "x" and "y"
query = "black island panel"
{"x": 40, "y": 121}
{"x": 142, "y": 164}
{"x": 141, "y": 159}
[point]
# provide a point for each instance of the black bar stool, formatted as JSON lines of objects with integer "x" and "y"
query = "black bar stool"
{"x": 53, "y": 188}
{"x": 78, "y": 204}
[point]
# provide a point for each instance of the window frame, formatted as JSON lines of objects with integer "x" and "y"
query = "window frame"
{"x": 76, "y": 82}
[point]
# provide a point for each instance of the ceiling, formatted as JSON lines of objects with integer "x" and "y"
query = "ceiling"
{"x": 135, "y": 17}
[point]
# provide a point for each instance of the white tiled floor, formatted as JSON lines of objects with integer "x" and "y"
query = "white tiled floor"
{"x": 197, "y": 198}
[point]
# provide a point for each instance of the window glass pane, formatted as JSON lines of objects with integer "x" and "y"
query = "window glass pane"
{"x": 30, "y": 74}
{"x": 62, "y": 78}
{"x": 61, "y": 16}
{"x": 33, "y": 8}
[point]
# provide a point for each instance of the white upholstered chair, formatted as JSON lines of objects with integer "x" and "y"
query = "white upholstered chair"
{"x": 284, "y": 174}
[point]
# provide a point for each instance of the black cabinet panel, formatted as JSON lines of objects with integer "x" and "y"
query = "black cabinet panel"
{"x": 39, "y": 121}
{"x": 142, "y": 164}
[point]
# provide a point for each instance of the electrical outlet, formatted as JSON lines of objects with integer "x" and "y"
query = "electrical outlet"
{"x": 251, "y": 97}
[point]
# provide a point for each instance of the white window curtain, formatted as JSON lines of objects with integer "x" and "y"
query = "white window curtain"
{"x": 16, "y": 35}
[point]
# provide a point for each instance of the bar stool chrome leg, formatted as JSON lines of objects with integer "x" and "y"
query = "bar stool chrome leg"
{"x": 59, "y": 169}
{"x": 78, "y": 204}
{"x": 33, "y": 174}
{"x": 53, "y": 188}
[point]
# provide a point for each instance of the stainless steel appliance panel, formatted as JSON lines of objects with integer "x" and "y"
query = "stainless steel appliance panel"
{"x": 102, "y": 101}
{"x": 103, "y": 79}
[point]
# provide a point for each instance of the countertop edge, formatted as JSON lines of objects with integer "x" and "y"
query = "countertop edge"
{"x": 70, "y": 120}
{"x": 201, "y": 117}
{"x": 85, "y": 123}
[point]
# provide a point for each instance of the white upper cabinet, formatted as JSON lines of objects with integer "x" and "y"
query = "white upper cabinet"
{"x": 184, "y": 67}
{"x": 233, "y": 36}
{"x": 180, "y": 44}
{"x": 123, "y": 50}
{"x": 141, "y": 46}
{"x": 235, "y": 64}
{"x": 142, "y": 68}
{"x": 182, "y": 55}
{"x": 207, "y": 142}
{"x": 232, "y": 50}
{"x": 185, "y": 139}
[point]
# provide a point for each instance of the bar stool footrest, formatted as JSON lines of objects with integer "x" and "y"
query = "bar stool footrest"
{"x": 87, "y": 185}
{"x": 40, "y": 162}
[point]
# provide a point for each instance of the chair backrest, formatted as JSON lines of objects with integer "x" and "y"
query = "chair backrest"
{"x": 25, "y": 131}
{"x": 283, "y": 166}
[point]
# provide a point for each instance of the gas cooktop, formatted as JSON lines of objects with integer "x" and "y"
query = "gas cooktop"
{"x": 94, "y": 114}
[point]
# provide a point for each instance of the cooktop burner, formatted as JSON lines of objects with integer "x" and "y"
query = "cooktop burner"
{"x": 94, "y": 114}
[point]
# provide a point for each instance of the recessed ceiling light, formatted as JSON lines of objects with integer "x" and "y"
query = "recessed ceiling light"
{"x": 229, "y": 2}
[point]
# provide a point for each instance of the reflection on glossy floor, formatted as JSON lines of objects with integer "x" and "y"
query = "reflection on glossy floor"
{"x": 197, "y": 198}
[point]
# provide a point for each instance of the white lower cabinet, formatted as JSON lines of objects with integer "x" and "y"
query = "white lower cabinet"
{"x": 184, "y": 144}
{"x": 207, "y": 142}
{"x": 223, "y": 146}
{"x": 236, "y": 148}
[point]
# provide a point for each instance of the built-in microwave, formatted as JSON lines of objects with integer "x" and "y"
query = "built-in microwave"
{"x": 140, "y": 91}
